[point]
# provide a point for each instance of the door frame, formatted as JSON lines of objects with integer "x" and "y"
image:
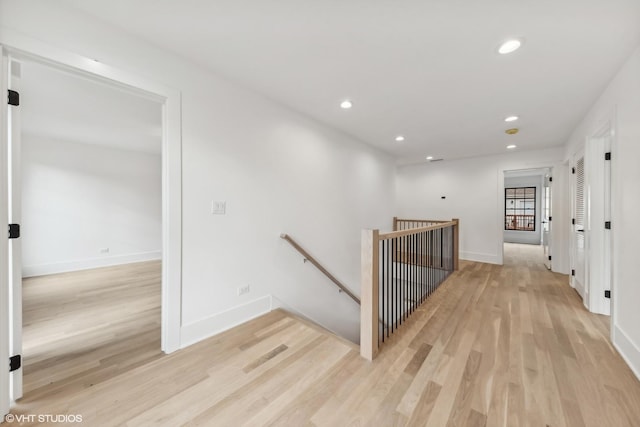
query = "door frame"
{"x": 546, "y": 206}
{"x": 14, "y": 199}
{"x": 501, "y": 203}
{"x": 5, "y": 399}
{"x": 599, "y": 240}
{"x": 22, "y": 47}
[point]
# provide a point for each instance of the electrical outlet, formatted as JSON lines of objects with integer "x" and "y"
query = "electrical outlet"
{"x": 104, "y": 250}
{"x": 243, "y": 290}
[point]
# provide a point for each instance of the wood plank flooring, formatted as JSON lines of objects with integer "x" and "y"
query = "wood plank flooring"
{"x": 83, "y": 327}
{"x": 494, "y": 346}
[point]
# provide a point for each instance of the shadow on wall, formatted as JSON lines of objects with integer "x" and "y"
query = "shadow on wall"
{"x": 305, "y": 291}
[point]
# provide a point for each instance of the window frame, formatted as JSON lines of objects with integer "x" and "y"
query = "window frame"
{"x": 513, "y": 210}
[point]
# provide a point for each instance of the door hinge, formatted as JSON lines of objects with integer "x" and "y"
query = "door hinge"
{"x": 607, "y": 225}
{"x": 573, "y": 170}
{"x": 14, "y": 231}
{"x": 13, "y": 98}
{"x": 550, "y": 179}
{"x": 607, "y": 294}
{"x": 15, "y": 362}
{"x": 549, "y": 257}
{"x": 573, "y": 272}
{"x": 549, "y": 219}
{"x": 607, "y": 156}
{"x": 573, "y": 221}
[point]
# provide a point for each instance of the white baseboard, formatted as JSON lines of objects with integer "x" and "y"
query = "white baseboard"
{"x": 86, "y": 264}
{"x": 480, "y": 257}
{"x": 220, "y": 322}
{"x": 629, "y": 351}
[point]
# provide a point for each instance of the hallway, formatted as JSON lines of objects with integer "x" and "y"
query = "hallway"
{"x": 516, "y": 254}
{"x": 494, "y": 346}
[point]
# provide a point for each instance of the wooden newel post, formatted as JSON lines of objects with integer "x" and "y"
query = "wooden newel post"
{"x": 395, "y": 223}
{"x": 369, "y": 294}
{"x": 456, "y": 243}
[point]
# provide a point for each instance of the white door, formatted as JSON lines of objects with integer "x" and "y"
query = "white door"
{"x": 598, "y": 201}
{"x": 578, "y": 228}
{"x": 546, "y": 221}
{"x": 5, "y": 395}
{"x": 15, "y": 218}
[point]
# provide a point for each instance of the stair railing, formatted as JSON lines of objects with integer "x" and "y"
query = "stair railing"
{"x": 400, "y": 270}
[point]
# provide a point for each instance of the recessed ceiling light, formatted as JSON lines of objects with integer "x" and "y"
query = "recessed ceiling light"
{"x": 511, "y": 118}
{"x": 346, "y": 104}
{"x": 509, "y": 46}
{"x": 511, "y": 147}
{"x": 429, "y": 157}
{"x": 512, "y": 131}
{"x": 399, "y": 138}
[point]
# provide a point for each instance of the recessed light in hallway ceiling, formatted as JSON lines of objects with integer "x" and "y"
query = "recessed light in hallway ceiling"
{"x": 511, "y": 118}
{"x": 429, "y": 157}
{"x": 510, "y": 46}
{"x": 346, "y": 104}
{"x": 399, "y": 138}
{"x": 511, "y": 147}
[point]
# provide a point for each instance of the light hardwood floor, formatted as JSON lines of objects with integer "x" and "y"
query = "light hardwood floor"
{"x": 494, "y": 346}
{"x": 83, "y": 327}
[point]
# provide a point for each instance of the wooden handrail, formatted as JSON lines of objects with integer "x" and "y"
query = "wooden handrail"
{"x": 401, "y": 223}
{"x": 409, "y": 231}
{"x": 307, "y": 256}
{"x": 436, "y": 221}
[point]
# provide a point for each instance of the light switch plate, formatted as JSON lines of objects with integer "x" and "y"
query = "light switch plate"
{"x": 218, "y": 207}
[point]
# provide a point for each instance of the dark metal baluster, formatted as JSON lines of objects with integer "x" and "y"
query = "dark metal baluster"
{"x": 403, "y": 289}
{"x": 424, "y": 271}
{"x": 411, "y": 271}
{"x": 449, "y": 263}
{"x": 427, "y": 262}
{"x": 432, "y": 257}
{"x": 424, "y": 262}
{"x": 402, "y": 271}
{"x": 398, "y": 278}
{"x": 388, "y": 242}
{"x": 420, "y": 271}
{"x": 395, "y": 282}
{"x": 451, "y": 248}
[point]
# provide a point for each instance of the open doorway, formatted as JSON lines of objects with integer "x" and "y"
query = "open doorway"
{"x": 527, "y": 215}
{"x": 91, "y": 228}
{"x": 23, "y": 50}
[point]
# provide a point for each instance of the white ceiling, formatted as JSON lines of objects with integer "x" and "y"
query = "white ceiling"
{"x": 68, "y": 107}
{"x": 426, "y": 69}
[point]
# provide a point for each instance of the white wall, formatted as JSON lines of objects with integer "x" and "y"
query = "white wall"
{"x": 78, "y": 199}
{"x": 527, "y": 237}
{"x": 621, "y": 103}
{"x": 474, "y": 191}
{"x": 277, "y": 170}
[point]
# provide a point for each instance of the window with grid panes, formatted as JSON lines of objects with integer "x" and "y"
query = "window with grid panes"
{"x": 520, "y": 208}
